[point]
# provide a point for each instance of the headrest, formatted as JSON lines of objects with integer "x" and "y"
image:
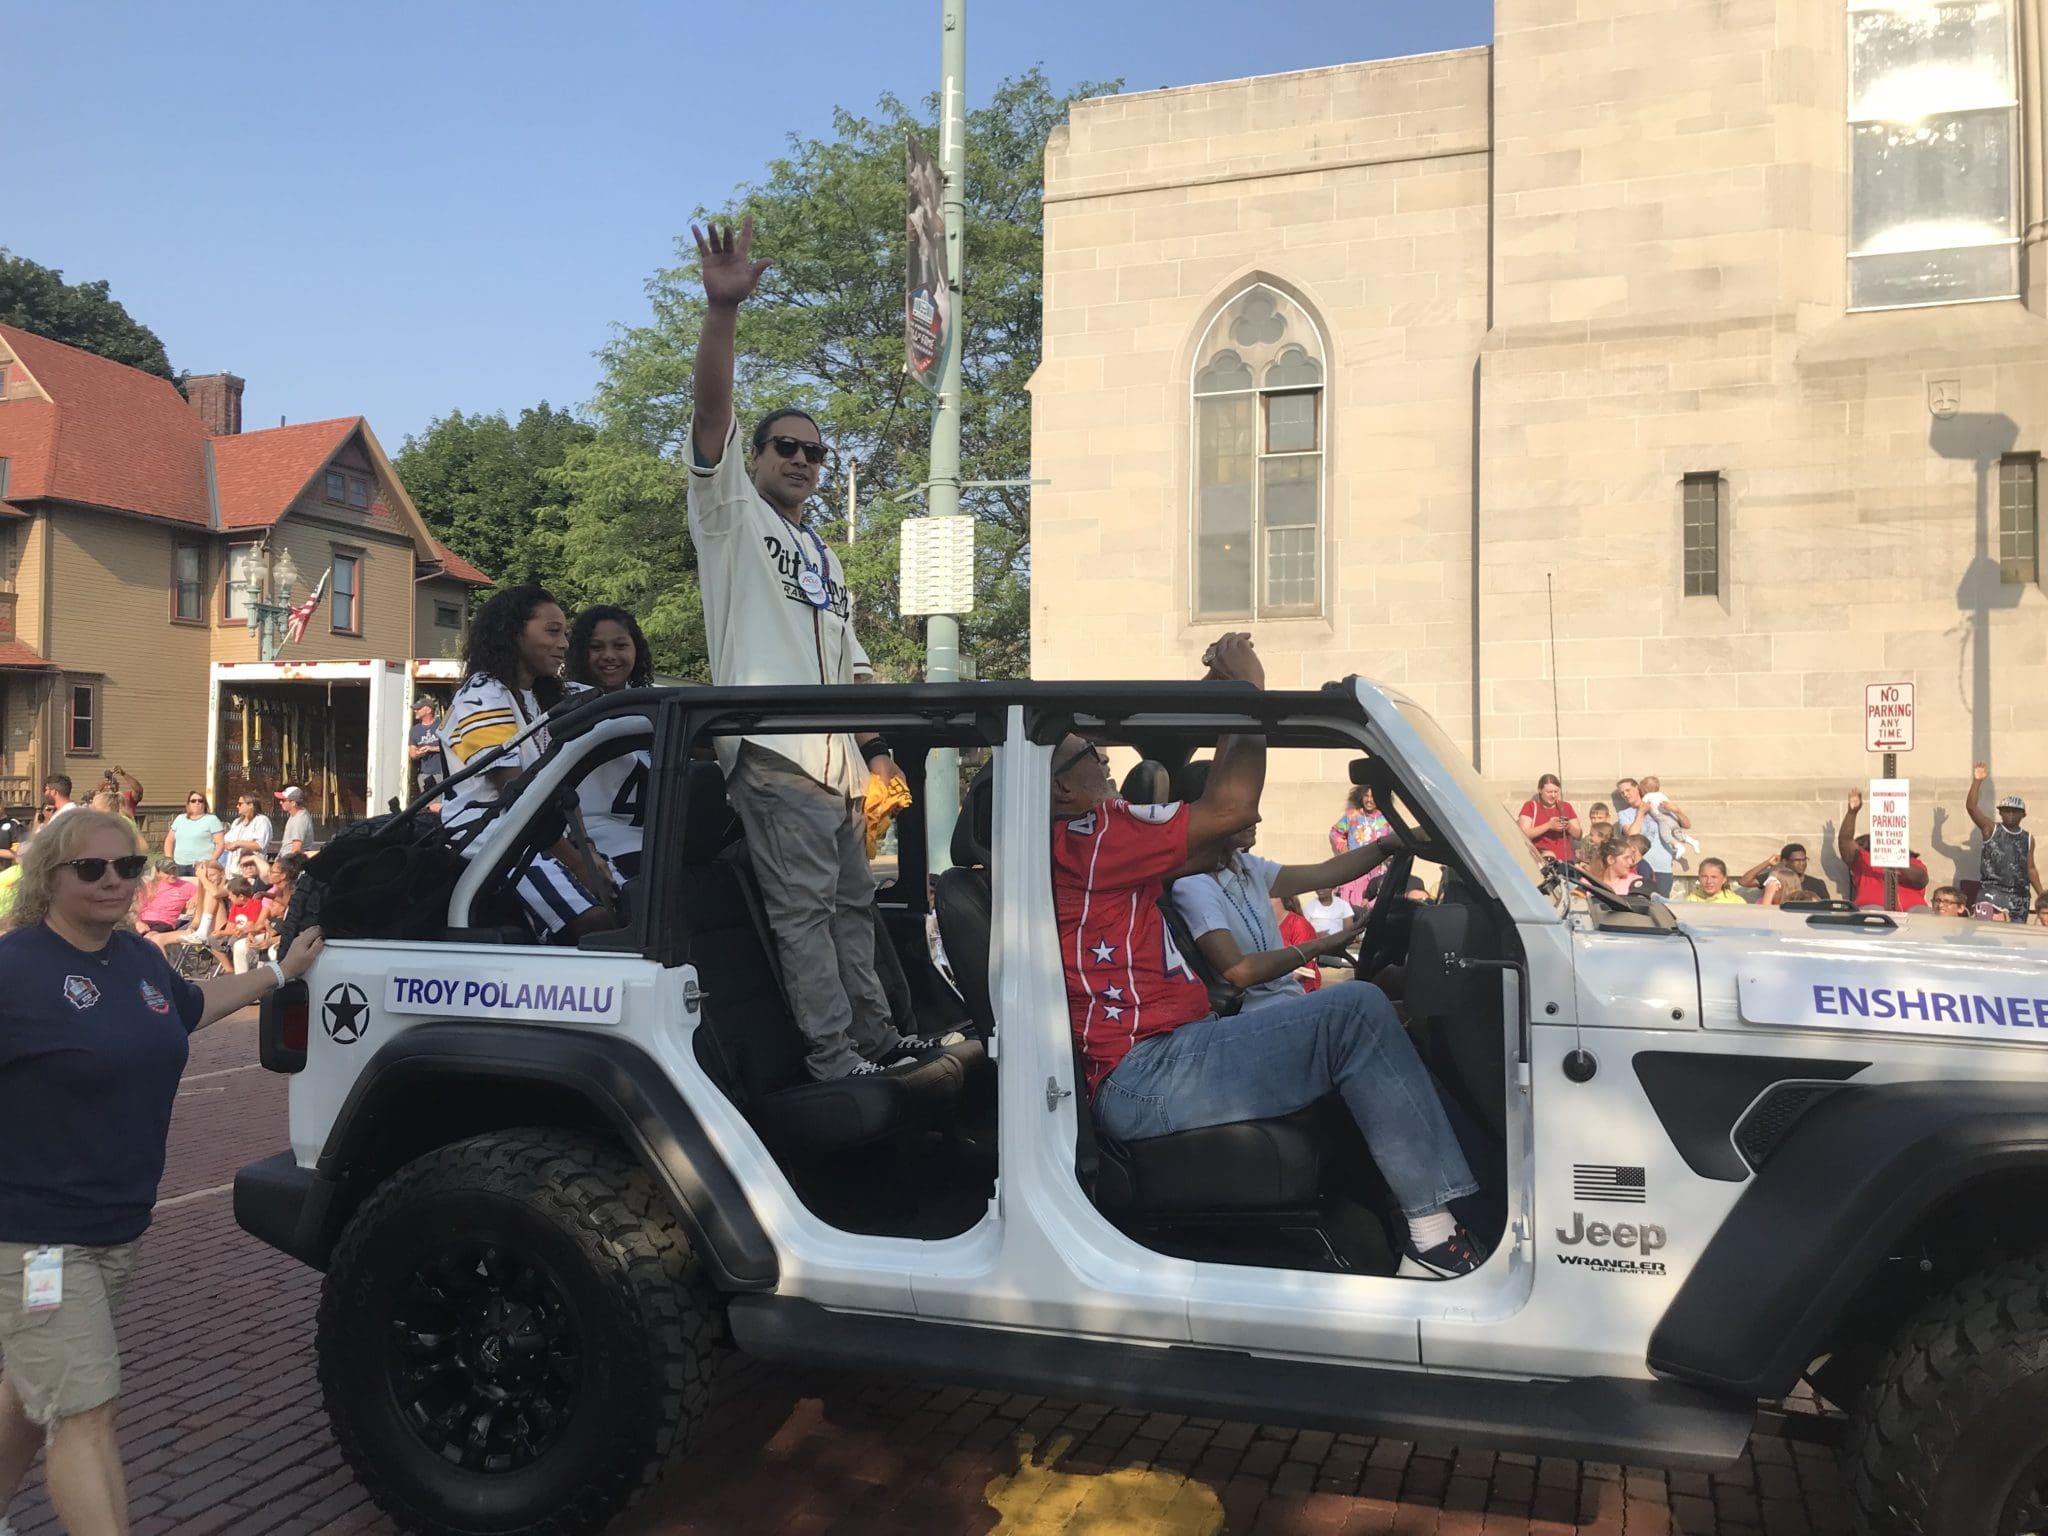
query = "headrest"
{"x": 975, "y": 832}
{"x": 709, "y": 824}
{"x": 1150, "y": 783}
{"x": 1194, "y": 780}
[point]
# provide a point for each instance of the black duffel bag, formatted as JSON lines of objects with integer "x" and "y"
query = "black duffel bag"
{"x": 390, "y": 877}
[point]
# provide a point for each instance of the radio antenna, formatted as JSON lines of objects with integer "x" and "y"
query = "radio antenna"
{"x": 1556, "y": 717}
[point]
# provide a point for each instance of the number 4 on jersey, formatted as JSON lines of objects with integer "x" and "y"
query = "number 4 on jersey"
{"x": 631, "y": 800}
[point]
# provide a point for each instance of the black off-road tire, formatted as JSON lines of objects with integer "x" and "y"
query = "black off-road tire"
{"x": 614, "y": 1319}
{"x": 1950, "y": 1437}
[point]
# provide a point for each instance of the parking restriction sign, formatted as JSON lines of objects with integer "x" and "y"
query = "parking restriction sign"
{"x": 1888, "y": 717}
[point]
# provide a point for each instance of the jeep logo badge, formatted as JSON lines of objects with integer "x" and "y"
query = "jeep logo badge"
{"x": 1643, "y": 1238}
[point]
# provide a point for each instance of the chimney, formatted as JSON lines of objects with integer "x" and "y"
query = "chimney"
{"x": 217, "y": 398}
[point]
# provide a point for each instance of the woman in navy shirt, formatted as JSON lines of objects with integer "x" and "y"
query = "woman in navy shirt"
{"x": 93, "y": 1027}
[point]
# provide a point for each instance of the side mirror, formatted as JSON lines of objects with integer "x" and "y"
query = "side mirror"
{"x": 1361, "y": 772}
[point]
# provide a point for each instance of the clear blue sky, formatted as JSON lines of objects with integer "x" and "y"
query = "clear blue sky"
{"x": 401, "y": 210}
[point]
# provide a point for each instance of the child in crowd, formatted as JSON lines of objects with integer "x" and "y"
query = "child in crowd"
{"x": 1669, "y": 829}
{"x": 1599, "y": 829}
{"x": 1713, "y": 885}
{"x": 247, "y": 928}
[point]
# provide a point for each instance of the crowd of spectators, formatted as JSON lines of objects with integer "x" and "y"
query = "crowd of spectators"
{"x": 1644, "y": 844}
{"x": 215, "y": 895}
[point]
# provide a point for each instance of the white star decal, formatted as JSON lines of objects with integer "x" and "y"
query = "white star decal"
{"x": 1103, "y": 953}
{"x": 1114, "y": 994}
{"x": 1112, "y": 1013}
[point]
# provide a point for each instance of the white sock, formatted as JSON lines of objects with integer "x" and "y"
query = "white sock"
{"x": 1426, "y": 1232}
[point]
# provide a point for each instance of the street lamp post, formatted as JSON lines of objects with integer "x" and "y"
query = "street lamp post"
{"x": 269, "y": 587}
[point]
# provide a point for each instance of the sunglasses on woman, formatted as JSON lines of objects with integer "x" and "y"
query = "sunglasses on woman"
{"x": 92, "y": 871}
{"x": 790, "y": 447}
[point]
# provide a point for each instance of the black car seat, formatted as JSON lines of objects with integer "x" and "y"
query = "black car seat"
{"x": 964, "y": 900}
{"x": 748, "y": 1040}
{"x": 1260, "y": 1165}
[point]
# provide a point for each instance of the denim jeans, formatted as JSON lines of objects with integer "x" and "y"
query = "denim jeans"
{"x": 1272, "y": 1061}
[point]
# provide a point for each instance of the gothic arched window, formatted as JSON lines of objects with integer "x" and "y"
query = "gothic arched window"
{"x": 1258, "y": 457}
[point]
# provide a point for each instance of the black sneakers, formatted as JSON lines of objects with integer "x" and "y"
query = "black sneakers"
{"x": 911, "y": 1050}
{"x": 1457, "y": 1255}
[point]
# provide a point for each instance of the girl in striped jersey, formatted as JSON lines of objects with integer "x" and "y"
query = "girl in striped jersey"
{"x": 512, "y": 676}
{"x": 607, "y": 652}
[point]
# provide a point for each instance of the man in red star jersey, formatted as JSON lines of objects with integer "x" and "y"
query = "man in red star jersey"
{"x": 1158, "y": 1061}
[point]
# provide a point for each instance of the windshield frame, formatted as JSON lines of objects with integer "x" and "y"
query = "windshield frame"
{"x": 1464, "y": 801}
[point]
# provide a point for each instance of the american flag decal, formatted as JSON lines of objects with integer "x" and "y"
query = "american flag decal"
{"x": 1608, "y": 1184}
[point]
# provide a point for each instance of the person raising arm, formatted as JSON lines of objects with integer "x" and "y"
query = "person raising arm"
{"x": 1157, "y": 1060}
{"x": 777, "y": 614}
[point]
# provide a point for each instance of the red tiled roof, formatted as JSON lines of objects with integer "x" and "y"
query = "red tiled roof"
{"x": 109, "y": 435}
{"x": 260, "y": 474}
{"x": 14, "y": 654}
{"x": 453, "y": 565}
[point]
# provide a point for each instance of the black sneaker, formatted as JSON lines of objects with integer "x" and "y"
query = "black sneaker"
{"x": 1457, "y": 1255}
{"x": 881, "y": 1068}
{"x": 924, "y": 1045}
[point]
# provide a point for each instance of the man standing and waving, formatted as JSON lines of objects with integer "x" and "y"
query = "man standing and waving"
{"x": 2008, "y": 875}
{"x": 776, "y": 614}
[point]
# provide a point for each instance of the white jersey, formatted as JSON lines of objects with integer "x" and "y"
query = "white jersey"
{"x": 776, "y": 610}
{"x": 486, "y": 713}
{"x": 613, "y": 799}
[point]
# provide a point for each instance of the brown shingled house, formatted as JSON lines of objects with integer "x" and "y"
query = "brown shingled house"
{"x": 131, "y": 521}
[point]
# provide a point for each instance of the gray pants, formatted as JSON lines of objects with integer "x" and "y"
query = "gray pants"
{"x": 809, "y": 848}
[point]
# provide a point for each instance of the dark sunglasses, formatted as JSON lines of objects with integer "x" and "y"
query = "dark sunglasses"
{"x": 790, "y": 447}
{"x": 195, "y": 800}
{"x": 92, "y": 871}
{"x": 1090, "y": 750}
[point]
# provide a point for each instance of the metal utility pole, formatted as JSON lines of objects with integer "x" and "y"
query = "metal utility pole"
{"x": 942, "y": 631}
{"x": 1891, "y": 876}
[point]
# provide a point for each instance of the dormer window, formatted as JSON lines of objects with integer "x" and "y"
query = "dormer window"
{"x": 337, "y": 487}
{"x": 358, "y": 491}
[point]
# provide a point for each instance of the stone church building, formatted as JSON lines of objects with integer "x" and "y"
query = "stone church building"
{"x": 1708, "y": 336}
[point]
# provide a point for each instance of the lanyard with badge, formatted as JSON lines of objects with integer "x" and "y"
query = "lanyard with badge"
{"x": 42, "y": 1280}
{"x": 811, "y": 577}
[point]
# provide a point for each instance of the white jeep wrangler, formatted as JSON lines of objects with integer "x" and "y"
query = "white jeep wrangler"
{"x": 1722, "y": 1149}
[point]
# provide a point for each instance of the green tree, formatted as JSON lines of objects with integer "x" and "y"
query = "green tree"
{"x": 486, "y": 487}
{"x": 83, "y": 315}
{"x": 825, "y": 331}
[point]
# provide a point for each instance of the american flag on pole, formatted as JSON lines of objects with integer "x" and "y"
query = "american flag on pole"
{"x": 296, "y": 621}
{"x": 1609, "y": 1184}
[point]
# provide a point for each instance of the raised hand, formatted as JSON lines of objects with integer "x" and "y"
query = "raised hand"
{"x": 1855, "y": 799}
{"x": 1233, "y": 659}
{"x": 730, "y": 275}
{"x": 1979, "y": 774}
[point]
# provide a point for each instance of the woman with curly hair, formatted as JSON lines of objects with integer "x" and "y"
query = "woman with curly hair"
{"x": 607, "y": 652}
{"x": 512, "y": 676}
{"x": 93, "y": 1027}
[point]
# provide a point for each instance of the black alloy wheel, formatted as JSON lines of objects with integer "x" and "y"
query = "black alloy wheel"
{"x": 515, "y": 1338}
{"x": 484, "y": 1357}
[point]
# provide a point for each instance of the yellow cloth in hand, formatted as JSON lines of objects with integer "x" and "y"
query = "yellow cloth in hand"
{"x": 885, "y": 798}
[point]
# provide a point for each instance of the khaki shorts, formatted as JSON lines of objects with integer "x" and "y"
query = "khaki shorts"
{"x": 64, "y": 1361}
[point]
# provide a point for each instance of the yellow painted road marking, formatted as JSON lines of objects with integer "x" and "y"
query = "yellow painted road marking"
{"x": 1037, "y": 1500}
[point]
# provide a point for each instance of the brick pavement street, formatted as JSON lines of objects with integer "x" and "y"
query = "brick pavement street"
{"x": 223, "y": 1432}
